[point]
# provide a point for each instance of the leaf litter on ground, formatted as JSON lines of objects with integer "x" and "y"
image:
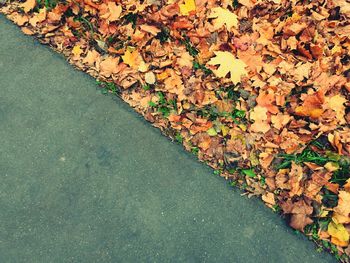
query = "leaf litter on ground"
{"x": 259, "y": 90}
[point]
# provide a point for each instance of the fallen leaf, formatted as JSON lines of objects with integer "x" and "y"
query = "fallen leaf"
{"x": 150, "y": 78}
{"x": 28, "y": 5}
{"x": 223, "y": 17}
{"x": 312, "y": 106}
{"x": 266, "y": 99}
{"x": 77, "y": 51}
{"x": 280, "y": 120}
{"x": 259, "y": 115}
{"x": 19, "y": 19}
{"x": 150, "y": 29}
{"x": 187, "y": 7}
{"x": 336, "y": 103}
{"x": 111, "y": 12}
{"x": 339, "y": 234}
{"x": 228, "y": 64}
{"x": 300, "y": 221}
{"x": 300, "y": 213}
{"x": 134, "y": 60}
{"x": 91, "y": 57}
{"x": 342, "y": 210}
{"x": 109, "y": 66}
{"x": 295, "y": 177}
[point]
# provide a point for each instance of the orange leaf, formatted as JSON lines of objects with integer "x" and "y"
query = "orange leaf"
{"x": 312, "y": 106}
{"x": 266, "y": 100}
{"x": 28, "y": 5}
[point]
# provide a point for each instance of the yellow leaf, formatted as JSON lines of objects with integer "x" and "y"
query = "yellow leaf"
{"x": 228, "y": 64}
{"x": 130, "y": 58}
{"x": 331, "y": 166}
{"x": 224, "y": 130}
{"x": 28, "y": 5}
{"x": 76, "y": 51}
{"x": 339, "y": 234}
{"x": 187, "y": 7}
{"x": 223, "y": 17}
{"x": 243, "y": 127}
{"x": 336, "y": 49}
{"x": 133, "y": 59}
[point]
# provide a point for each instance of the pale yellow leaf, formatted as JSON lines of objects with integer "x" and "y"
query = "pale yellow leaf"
{"x": 228, "y": 64}
{"x": 339, "y": 234}
{"x": 223, "y": 17}
{"x": 150, "y": 78}
{"x": 336, "y": 103}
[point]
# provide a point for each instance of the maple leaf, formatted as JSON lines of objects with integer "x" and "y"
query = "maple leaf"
{"x": 111, "y": 12}
{"x": 109, "y": 66}
{"x": 342, "y": 211}
{"x": 339, "y": 234}
{"x": 28, "y": 5}
{"x": 312, "y": 106}
{"x": 185, "y": 60}
{"x": 300, "y": 213}
{"x": 228, "y": 64}
{"x": 300, "y": 221}
{"x": 280, "y": 120}
{"x": 266, "y": 100}
{"x": 223, "y": 17}
{"x": 259, "y": 115}
{"x": 174, "y": 84}
{"x": 295, "y": 177}
{"x": 134, "y": 60}
{"x": 150, "y": 29}
{"x": 38, "y": 17}
{"x": 77, "y": 51}
{"x": 336, "y": 103}
{"x": 18, "y": 18}
{"x": 187, "y": 7}
{"x": 131, "y": 58}
{"x": 91, "y": 57}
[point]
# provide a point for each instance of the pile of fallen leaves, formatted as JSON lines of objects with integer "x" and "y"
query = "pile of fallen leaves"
{"x": 257, "y": 89}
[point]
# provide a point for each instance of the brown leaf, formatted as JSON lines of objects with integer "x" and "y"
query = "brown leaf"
{"x": 300, "y": 221}
{"x": 295, "y": 178}
{"x": 342, "y": 210}
{"x": 109, "y": 66}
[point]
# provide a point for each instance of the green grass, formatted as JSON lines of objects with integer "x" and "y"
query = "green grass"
{"x": 49, "y": 4}
{"x": 163, "y": 35}
{"x": 108, "y": 87}
{"x": 189, "y": 46}
{"x": 198, "y": 66}
{"x": 307, "y": 155}
{"x": 164, "y": 106}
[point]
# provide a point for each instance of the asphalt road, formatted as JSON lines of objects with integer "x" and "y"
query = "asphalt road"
{"x": 85, "y": 179}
